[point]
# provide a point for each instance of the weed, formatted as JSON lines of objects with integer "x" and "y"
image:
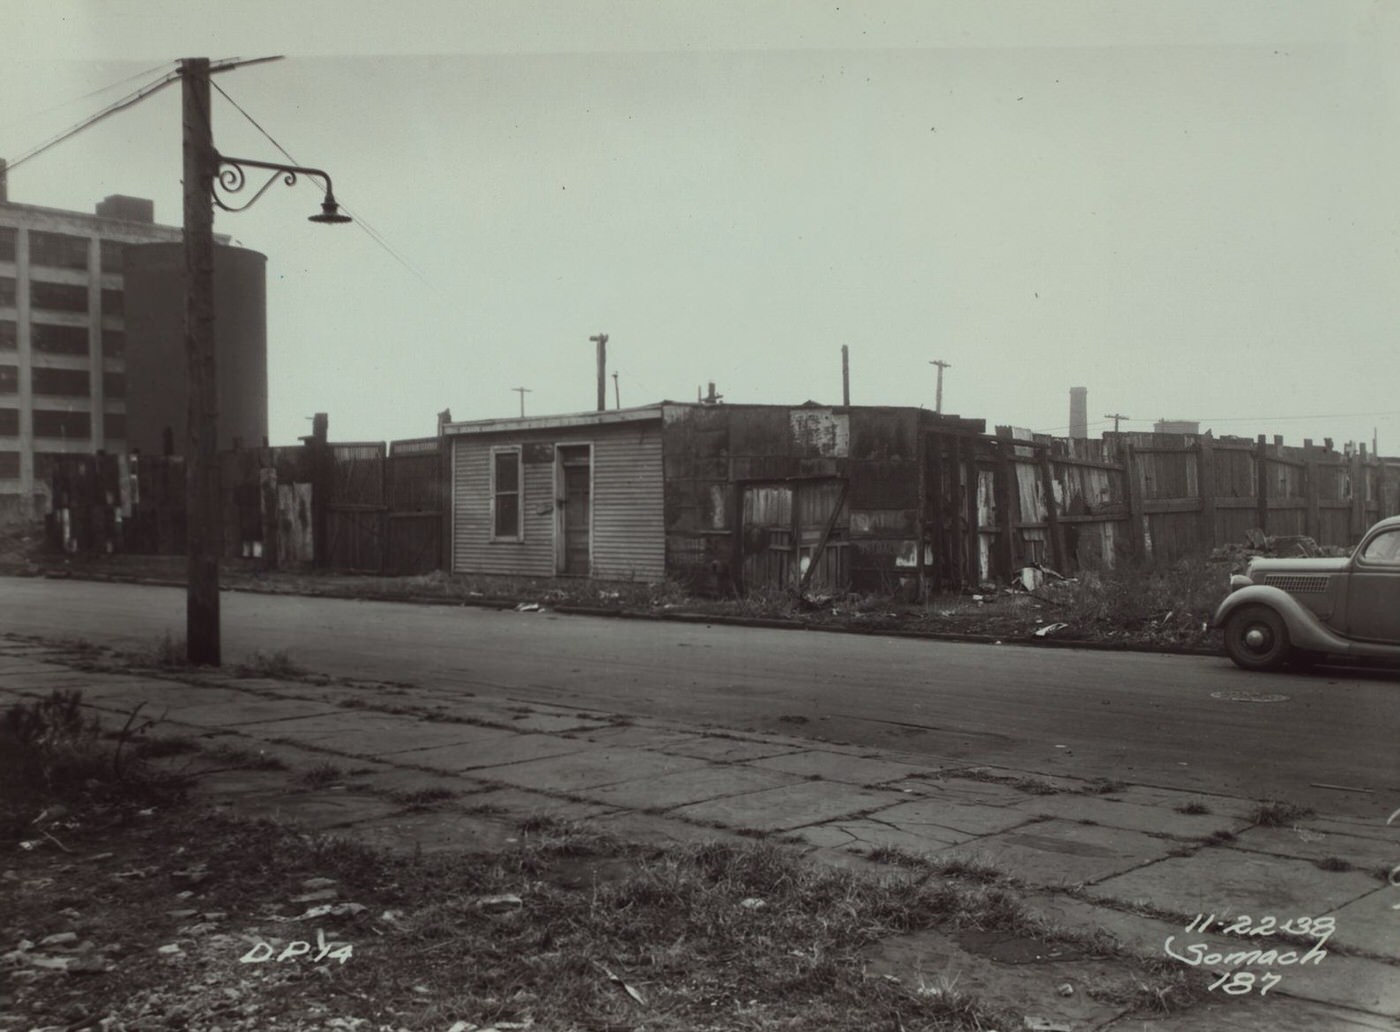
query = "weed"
{"x": 1275, "y": 814}
{"x": 1334, "y": 863}
{"x": 320, "y": 776}
{"x": 175, "y": 745}
{"x": 424, "y": 796}
{"x": 270, "y": 664}
{"x": 1217, "y": 838}
{"x": 166, "y": 654}
{"x": 1103, "y": 786}
{"x": 51, "y": 750}
{"x": 1193, "y": 807}
{"x": 243, "y": 758}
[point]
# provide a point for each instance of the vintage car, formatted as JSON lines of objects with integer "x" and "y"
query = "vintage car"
{"x": 1299, "y": 611}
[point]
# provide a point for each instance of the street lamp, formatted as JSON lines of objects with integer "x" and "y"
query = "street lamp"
{"x": 206, "y": 172}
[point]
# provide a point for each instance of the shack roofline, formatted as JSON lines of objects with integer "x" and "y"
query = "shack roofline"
{"x": 607, "y": 418}
{"x": 643, "y": 413}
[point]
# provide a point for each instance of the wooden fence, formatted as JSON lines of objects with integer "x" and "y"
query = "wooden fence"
{"x": 351, "y": 507}
{"x": 1071, "y": 504}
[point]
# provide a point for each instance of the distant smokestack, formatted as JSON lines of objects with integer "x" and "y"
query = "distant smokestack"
{"x": 1079, "y": 412}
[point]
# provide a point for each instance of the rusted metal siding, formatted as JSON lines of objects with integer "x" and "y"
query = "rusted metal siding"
{"x": 628, "y": 531}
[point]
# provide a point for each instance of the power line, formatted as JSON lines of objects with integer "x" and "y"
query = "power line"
{"x": 107, "y": 112}
{"x": 360, "y": 220}
{"x": 85, "y": 96}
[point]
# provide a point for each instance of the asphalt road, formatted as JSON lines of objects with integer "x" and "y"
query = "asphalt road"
{"x": 1176, "y": 721}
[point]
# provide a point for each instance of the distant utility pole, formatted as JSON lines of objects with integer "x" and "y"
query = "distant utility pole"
{"x": 601, "y": 340}
{"x": 522, "y": 391}
{"x": 938, "y": 398}
{"x": 1116, "y": 417}
{"x": 845, "y": 376}
{"x": 617, "y": 392}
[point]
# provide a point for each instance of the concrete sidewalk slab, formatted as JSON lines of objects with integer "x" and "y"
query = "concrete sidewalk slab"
{"x": 522, "y": 803}
{"x": 320, "y": 809}
{"x": 723, "y": 749}
{"x": 159, "y": 695}
{"x": 1158, "y": 820}
{"x": 1061, "y": 852}
{"x": 692, "y": 785}
{"x": 1305, "y": 843}
{"x": 966, "y": 790}
{"x": 639, "y": 736}
{"x": 864, "y": 834}
{"x": 1272, "y": 1013}
{"x": 495, "y": 748}
{"x": 831, "y": 766}
{"x": 549, "y": 723}
{"x": 354, "y": 733}
{"x": 630, "y": 826}
{"x": 600, "y": 765}
{"x": 920, "y": 816}
{"x": 1229, "y": 881}
{"x": 246, "y": 710}
{"x": 1371, "y": 924}
{"x": 1170, "y": 798}
{"x": 792, "y": 806}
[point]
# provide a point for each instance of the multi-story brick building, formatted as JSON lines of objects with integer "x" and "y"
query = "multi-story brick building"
{"x": 65, "y": 349}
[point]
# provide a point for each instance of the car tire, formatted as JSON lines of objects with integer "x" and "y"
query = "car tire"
{"x": 1256, "y": 638}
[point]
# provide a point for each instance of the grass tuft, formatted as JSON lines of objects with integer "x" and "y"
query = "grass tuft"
{"x": 1275, "y": 814}
{"x": 270, "y": 664}
{"x": 1193, "y": 807}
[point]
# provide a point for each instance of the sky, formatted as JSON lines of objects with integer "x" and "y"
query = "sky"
{"x": 1189, "y": 209}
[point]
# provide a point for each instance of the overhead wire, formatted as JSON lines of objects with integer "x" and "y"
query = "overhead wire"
{"x": 85, "y": 96}
{"x": 87, "y": 123}
{"x": 360, "y": 220}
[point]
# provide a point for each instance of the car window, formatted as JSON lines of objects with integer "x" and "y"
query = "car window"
{"x": 1383, "y": 548}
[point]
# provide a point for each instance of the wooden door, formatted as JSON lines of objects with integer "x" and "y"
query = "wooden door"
{"x": 578, "y": 510}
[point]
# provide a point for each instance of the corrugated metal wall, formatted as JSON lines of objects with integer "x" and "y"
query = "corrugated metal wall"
{"x": 628, "y": 522}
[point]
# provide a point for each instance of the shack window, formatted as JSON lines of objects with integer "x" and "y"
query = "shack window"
{"x": 505, "y": 495}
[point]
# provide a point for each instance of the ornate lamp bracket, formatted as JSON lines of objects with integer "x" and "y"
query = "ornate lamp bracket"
{"x": 231, "y": 178}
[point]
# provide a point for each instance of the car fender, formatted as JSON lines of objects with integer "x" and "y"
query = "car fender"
{"x": 1305, "y": 630}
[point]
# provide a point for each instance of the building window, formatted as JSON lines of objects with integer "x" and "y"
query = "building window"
{"x": 114, "y": 385}
{"x": 59, "y": 297}
{"x": 59, "y": 340}
{"x": 9, "y": 334}
{"x": 506, "y": 493}
{"x": 72, "y": 383}
{"x": 113, "y": 343}
{"x": 111, "y": 255}
{"x": 113, "y": 425}
{"x": 9, "y": 465}
{"x": 9, "y": 379}
{"x": 8, "y": 235}
{"x": 7, "y": 291}
{"x": 58, "y": 250}
{"x": 68, "y": 425}
{"x": 113, "y": 302}
{"x": 9, "y": 422}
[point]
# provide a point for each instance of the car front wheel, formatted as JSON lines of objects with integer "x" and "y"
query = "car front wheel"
{"x": 1256, "y": 639}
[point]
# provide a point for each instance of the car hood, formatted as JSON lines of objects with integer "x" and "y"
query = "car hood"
{"x": 1262, "y": 567}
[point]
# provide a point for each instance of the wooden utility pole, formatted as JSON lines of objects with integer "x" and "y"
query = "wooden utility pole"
{"x": 938, "y": 398}
{"x": 845, "y": 376}
{"x": 1116, "y": 417}
{"x": 204, "y": 533}
{"x": 601, "y": 340}
{"x": 617, "y": 392}
{"x": 522, "y": 391}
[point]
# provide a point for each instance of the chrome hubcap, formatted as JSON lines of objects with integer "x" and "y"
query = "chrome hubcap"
{"x": 1256, "y": 638}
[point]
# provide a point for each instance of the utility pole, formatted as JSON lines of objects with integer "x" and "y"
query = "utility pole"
{"x": 938, "y": 398}
{"x": 617, "y": 392}
{"x": 1116, "y": 417}
{"x": 601, "y": 340}
{"x": 204, "y": 532}
{"x": 845, "y": 376}
{"x": 522, "y": 391}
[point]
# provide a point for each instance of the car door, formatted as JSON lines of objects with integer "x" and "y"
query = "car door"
{"x": 1373, "y": 590}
